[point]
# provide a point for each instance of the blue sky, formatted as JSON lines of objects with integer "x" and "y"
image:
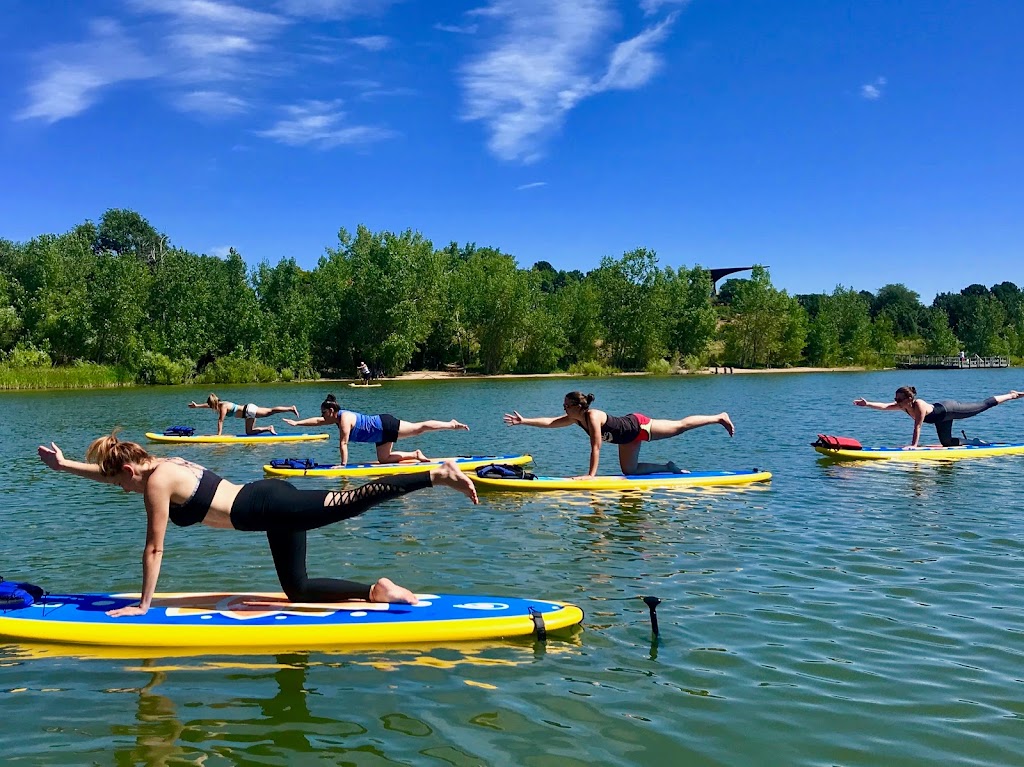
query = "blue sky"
{"x": 857, "y": 143}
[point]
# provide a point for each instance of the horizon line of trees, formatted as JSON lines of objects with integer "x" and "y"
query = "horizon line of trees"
{"x": 118, "y": 293}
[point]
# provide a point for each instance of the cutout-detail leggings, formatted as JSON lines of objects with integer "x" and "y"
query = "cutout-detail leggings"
{"x": 287, "y": 513}
{"x": 947, "y": 411}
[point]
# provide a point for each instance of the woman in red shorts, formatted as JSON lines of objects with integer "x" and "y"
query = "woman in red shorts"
{"x": 628, "y": 431}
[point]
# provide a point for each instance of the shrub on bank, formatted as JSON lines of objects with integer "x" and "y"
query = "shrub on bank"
{"x": 236, "y": 370}
{"x": 591, "y": 368}
{"x": 86, "y": 375}
{"x": 156, "y": 368}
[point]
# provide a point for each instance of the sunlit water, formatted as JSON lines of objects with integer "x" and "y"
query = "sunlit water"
{"x": 843, "y": 614}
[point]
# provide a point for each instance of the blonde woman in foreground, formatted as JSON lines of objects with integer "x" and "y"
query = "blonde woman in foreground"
{"x": 184, "y": 493}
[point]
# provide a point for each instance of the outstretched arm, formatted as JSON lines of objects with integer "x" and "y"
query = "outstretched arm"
{"x": 861, "y": 402}
{"x": 555, "y": 422}
{"x": 314, "y": 421}
{"x": 53, "y": 457}
{"x": 197, "y": 404}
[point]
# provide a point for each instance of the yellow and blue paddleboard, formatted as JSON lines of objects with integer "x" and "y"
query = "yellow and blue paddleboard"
{"x": 623, "y": 482}
{"x": 923, "y": 453}
{"x": 222, "y": 620}
{"x": 235, "y": 439}
{"x": 291, "y": 467}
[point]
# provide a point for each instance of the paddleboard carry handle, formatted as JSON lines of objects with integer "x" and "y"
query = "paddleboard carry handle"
{"x": 539, "y": 629}
{"x": 652, "y": 604}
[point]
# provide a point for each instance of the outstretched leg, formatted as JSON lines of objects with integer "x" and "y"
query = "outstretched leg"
{"x": 408, "y": 429}
{"x": 386, "y": 453}
{"x": 663, "y": 429}
{"x": 263, "y": 412}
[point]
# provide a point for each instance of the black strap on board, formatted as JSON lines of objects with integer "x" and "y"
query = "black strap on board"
{"x": 539, "y": 629}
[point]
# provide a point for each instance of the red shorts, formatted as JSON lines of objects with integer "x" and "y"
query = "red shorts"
{"x": 645, "y": 428}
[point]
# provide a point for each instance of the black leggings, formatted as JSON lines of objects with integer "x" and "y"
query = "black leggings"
{"x": 286, "y": 513}
{"x": 947, "y": 411}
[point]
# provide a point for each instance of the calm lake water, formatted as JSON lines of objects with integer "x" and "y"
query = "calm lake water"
{"x": 842, "y": 615}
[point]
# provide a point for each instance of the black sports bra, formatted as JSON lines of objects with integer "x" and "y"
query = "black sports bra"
{"x": 619, "y": 430}
{"x": 194, "y": 510}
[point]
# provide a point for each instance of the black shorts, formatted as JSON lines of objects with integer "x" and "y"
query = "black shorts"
{"x": 389, "y": 426}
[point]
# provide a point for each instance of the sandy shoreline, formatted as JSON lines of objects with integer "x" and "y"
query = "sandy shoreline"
{"x": 437, "y": 375}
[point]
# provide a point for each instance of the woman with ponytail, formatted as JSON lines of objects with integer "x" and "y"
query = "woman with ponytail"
{"x": 629, "y": 432}
{"x": 384, "y": 430}
{"x": 941, "y": 414}
{"x": 184, "y": 493}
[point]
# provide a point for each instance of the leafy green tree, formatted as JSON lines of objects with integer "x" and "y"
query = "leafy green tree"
{"x": 394, "y": 295}
{"x": 939, "y": 338}
{"x": 283, "y": 294}
{"x": 691, "y": 318}
{"x": 57, "y": 278}
{"x": 497, "y": 300}
{"x": 766, "y": 326}
{"x": 578, "y": 312}
{"x": 126, "y": 232}
{"x": 117, "y": 304}
{"x": 633, "y": 303}
{"x": 902, "y": 305}
{"x": 982, "y": 325}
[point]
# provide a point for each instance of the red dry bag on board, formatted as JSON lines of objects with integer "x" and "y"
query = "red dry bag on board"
{"x": 837, "y": 443}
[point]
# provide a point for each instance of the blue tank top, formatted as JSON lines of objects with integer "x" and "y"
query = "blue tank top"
{"x": 368, "y": 428}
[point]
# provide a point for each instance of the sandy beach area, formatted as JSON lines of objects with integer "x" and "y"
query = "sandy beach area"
{"x": 432, "y": 375}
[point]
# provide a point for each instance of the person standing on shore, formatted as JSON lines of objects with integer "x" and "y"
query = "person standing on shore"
{"x": 629, "y": 432}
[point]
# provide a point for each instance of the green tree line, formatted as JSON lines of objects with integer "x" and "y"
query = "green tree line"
{"x": 117, "y": 293}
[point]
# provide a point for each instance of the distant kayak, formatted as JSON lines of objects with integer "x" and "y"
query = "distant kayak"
{"x": 292, "y": 467}
{"x": 244, "y": 439}
{"x": 923, "y": 453}
{"x": 623, "y": 482}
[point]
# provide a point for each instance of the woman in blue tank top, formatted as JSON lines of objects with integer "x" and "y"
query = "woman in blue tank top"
{"x": 383, "y": 430}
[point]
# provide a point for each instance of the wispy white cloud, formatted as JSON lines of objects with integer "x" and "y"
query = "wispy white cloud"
{"x": 72, "y": 77}
{"x": 321, "y": 124}
{"x": 215, "y": 59}
{"x": 334, "y": 9}
{"x": 873, "y": 91}
{"x": 651, "y": 7}
{"x": 531, "y": 185}
{"x": 372, "y": 42}
{"x": 546, "y": 59}
{"x": 220, "y": 251}
{"x": 216, "y": 104}
{"x": 455, "y": 29}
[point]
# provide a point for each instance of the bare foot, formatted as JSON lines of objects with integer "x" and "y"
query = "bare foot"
{"x": 422, "y": 458}
{"x": 450, "y": 475}
{"x": 726, "y": 421}
{"x": 1016, "y": 394}
{"x": 461, "y": 426}
{"x": 386, "y": 590}
{"x": 272, "y": 430}
{"x": 673, "y": 467}
{"x": 295, "y": 410}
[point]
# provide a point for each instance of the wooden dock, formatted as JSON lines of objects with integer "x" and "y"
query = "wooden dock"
{"x": 956, "y": 362}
